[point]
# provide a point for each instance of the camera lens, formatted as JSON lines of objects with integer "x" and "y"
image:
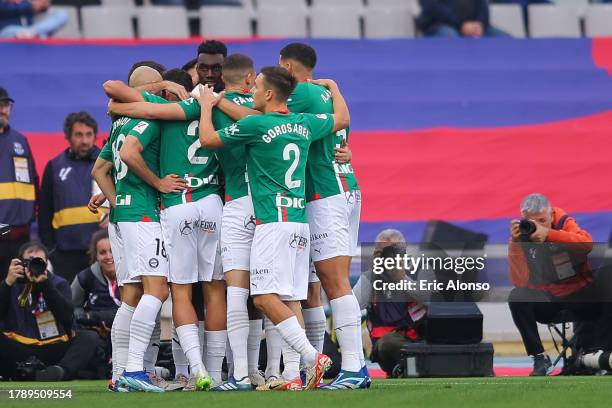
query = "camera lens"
{"x": 37, "y": 266}
{"x": 527, "y": 227}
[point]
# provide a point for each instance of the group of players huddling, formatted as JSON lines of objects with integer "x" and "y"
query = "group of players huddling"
{"x": 273, "y": 145}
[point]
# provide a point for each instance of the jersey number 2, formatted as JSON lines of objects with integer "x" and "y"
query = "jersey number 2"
{"x": 291, "y": 147}
{"x": 191, "y": 152}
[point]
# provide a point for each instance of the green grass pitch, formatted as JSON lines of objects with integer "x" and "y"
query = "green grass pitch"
{"x": 575, "y": 392}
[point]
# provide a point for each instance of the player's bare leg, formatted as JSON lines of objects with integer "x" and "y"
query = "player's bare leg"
{"x": 215, "y": 324}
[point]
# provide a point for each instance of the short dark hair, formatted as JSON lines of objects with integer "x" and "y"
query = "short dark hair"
{"x": 189, "y": 64}
{"x": 79, "y": 117}
{"x": 179, "y": 76}
{"x": 151, "y": 64}
{"x": 212, "y": 47}
{"x": 300, "y": 52}
{"x": 35, "y": 245}
{"x": 280, "y": 80}
{"x": 96, "y": 237}
{"x": 235, "y": 66}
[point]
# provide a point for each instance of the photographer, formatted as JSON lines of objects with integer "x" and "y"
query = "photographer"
{"x": 95, "y": 293}
{"x": 538, "y": 298}
{"x": 394, "y": 317}
{"x": 36, "y": 312}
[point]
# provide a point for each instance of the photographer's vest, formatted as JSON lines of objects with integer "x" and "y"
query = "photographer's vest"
{"x": 551, "y": 262}
{"x": 73, "y": 185}
{"x": 17, "y": 180}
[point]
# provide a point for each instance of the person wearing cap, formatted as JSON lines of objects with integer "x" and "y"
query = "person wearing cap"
{"x": 18, "y": 186}
{"x": 65, "y": 225}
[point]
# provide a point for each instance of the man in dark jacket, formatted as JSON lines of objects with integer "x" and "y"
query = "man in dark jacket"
{"x": 17, "y": 19}
{"x": 36, "y": 320}
{"x": 18, "y": 186}
{"x": 453, "y": 18}
{"x": 64, "y": 222}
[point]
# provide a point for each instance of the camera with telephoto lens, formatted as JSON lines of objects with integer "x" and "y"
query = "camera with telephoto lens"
{"x": 36, "y": 266}
{"x": 526, "y": 228}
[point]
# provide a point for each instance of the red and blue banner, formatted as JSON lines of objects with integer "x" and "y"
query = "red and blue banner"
{"x": 458, "y": 130}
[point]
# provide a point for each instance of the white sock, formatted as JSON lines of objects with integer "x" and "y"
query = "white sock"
{"x": 238, "y": 328}
{"x": 314, "y": 322}
{"x": 141, "y": 328}
{"x": 190, "y": 342}
{"x": 253, "y": 344}
{"x": 150, "y": 356}
{"x": 273, "y": 348}
{"x": 347, "y": 319}
{"x": 291, "y": 331}
{"x": 215, "y": 353}
{"x": 120, "y": 338}
{"x": 291, "y": 361}
{"x": 181, "y": 364}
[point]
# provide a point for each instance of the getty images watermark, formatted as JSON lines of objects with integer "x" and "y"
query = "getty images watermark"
{"x": 391, "y": 269}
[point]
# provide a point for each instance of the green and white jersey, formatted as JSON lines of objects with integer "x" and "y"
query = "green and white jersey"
{"x": 324, "y": 177}
{"x": 182, "y": 154}
{"x": 136, "y": 200}
{"x": 232, "y": 159}
{"x": 276, "y": 146}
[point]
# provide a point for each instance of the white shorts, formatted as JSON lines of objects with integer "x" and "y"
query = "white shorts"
{"x": 334, "y": 225}
{"x": 237, "y": 231}
{"x": 191, "y": 234}
{"x": 117, "y": 249}
{"x": 280, "y": 259}
{"x": 143, "y": 252}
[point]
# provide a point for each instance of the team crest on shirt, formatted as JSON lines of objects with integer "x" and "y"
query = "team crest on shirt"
{"x": 18, "y": 147}
{"x": 141, "y": 127}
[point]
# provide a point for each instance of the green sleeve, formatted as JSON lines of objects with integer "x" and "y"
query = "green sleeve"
{"x": 320, "y": 125}
{"x": 106, "y": 153}
{"x": 149, "y": 97}
{"x": 240, "y": 132}
{"x": 191, "y": 107}
{"x": 145, "y": 131}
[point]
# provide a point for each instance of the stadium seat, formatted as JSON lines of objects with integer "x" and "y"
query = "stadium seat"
{"x": 598, "y": 20}
{"x": 118, "y": 3}
{"x": 71, "y": 29}
{"x": 280, "y": 3}
{"x": 553, "y": 21}
{"x": 107, "y": 22}
{"x": 162, "y": 22}
{"x": 413, "y": 5}
{"x": 508, "y": 18}
{"x": 282, "y": 21}
{"x": 340, "y": 3}
{"x": 334, "y": 22}
{"x": 389, "y": 22}
{"x": 579, "y": 5}
{"x": 225, "y": 22}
